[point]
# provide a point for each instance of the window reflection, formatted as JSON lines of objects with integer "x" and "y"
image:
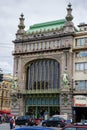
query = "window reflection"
{"x": 81, "y": 54}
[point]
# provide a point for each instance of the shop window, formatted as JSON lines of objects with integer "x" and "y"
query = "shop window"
{"x": 47, "y": 101}
{"x": 38, "y": 102}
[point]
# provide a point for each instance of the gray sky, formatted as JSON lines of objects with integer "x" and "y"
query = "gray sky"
{"x": 35, "y": 11}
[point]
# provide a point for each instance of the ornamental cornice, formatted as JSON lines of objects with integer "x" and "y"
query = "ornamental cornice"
{"x": 43, "y": 51}
{"x": 80, "y": 34}
{"x": 44, "y": 36}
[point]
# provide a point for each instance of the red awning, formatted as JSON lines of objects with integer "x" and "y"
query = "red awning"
{"x": 5, "y": 111}
{"x": 10, "y": 115}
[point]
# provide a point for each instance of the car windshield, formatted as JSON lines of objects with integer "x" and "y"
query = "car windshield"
{"x": 54, "y": 118}
{"x": 51, "y": 118}
{"x": 23, "y": 117}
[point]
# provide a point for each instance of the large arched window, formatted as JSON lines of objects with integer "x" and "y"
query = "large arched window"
{"x": 43, "y": 74}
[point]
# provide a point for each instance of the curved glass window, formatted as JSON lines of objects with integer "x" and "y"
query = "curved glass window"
{"x": 43, "y": 74}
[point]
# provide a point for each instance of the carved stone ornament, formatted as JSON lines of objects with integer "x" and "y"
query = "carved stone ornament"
{"x": 65, "y": 80}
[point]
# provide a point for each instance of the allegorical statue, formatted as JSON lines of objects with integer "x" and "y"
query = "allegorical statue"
{"x": 65, "y": 80}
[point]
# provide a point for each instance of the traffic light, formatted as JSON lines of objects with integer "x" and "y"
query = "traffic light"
{"x": 1, "y": 77}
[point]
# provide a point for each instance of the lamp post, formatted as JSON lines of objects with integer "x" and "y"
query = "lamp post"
{"x": 67, "y": 92}
{"x": 72, "y": 84}
{"x": 26, "y": 111}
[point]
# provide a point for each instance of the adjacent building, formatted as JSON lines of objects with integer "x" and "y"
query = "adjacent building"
{"x": 5, "y": 92}
{"x": 50, "y": 61}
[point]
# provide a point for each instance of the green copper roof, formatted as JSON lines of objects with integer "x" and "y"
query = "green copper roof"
{"x": 58, "y": 24}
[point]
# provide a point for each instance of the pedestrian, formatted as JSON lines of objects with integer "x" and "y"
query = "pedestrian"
{"x": 12, "y": 123}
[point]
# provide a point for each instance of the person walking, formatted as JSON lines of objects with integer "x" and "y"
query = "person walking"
{"x": 12, "y": 123}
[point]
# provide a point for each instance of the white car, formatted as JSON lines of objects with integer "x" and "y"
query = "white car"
{"x": 82, "y": 122}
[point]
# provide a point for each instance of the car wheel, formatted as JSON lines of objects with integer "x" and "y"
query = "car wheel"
{"x": 59, "y": 125}
{"x": 26, "y": 124}
{"x": 44, "y": 124}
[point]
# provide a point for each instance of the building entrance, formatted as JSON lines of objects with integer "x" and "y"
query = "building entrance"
{"x": 80, "y": 113}
{"x": 42, "y": 111}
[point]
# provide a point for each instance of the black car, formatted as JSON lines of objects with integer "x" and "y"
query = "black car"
{"x": 54, "y": 122}
{"x": 24, "y": 120}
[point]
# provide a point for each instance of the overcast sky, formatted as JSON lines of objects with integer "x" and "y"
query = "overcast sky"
{"x": 35, "y": 11}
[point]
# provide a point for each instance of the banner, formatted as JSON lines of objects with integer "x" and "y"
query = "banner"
{"x": 80, "y": 100}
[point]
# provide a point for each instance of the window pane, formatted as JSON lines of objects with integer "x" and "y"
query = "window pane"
{"x": 76, "y": 66}
{"x": 85, "y": 66}
{"x": 86, "y": 84}
{"x": 34, "y": 101}
{"x": 82, "y": 85}
{"x": 51, "y": 101}
{"x": 83, "y": 54}
{"x": 43, "y": 101}
{"x": 43, "y": 74}
{"x": 30, "y": 101}
{"x": 77, "y": 42}
{"x": 47, "y": 101}
{"x": 82, "y": 41}
{"x": 39, "y": 102}
{"x": 81, "y": 66}
{"x": 77, "y": 54}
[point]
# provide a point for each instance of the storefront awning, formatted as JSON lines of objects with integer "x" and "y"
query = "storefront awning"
{"x": 5, "y": 111}
{"x": 10, "y": 115}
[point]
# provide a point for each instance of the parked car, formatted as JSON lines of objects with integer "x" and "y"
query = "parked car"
{"x": 54, "y": 122}
{"x": 82, "y": 122}
{"x": 74, "y": 127}
{"x": 24, "y": 120}
{"x": 33, "y": 128}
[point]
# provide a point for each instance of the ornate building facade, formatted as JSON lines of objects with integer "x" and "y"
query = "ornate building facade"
{"x": 44, "y": 62}
{"x": 5, "y": 92}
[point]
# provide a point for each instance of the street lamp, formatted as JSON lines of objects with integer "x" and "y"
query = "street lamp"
{"x": 72, "y": 85}
{"x": 26, "y": 95}
{"x": 67, "y": 91}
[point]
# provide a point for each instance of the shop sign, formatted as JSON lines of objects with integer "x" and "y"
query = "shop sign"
{"x": 80, "y": 101}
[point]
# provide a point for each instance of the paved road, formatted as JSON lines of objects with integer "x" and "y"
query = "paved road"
{"x": 6, "y": 126}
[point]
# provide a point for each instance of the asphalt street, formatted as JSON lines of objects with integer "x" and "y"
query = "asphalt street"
{"x": 6, "y": 126}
